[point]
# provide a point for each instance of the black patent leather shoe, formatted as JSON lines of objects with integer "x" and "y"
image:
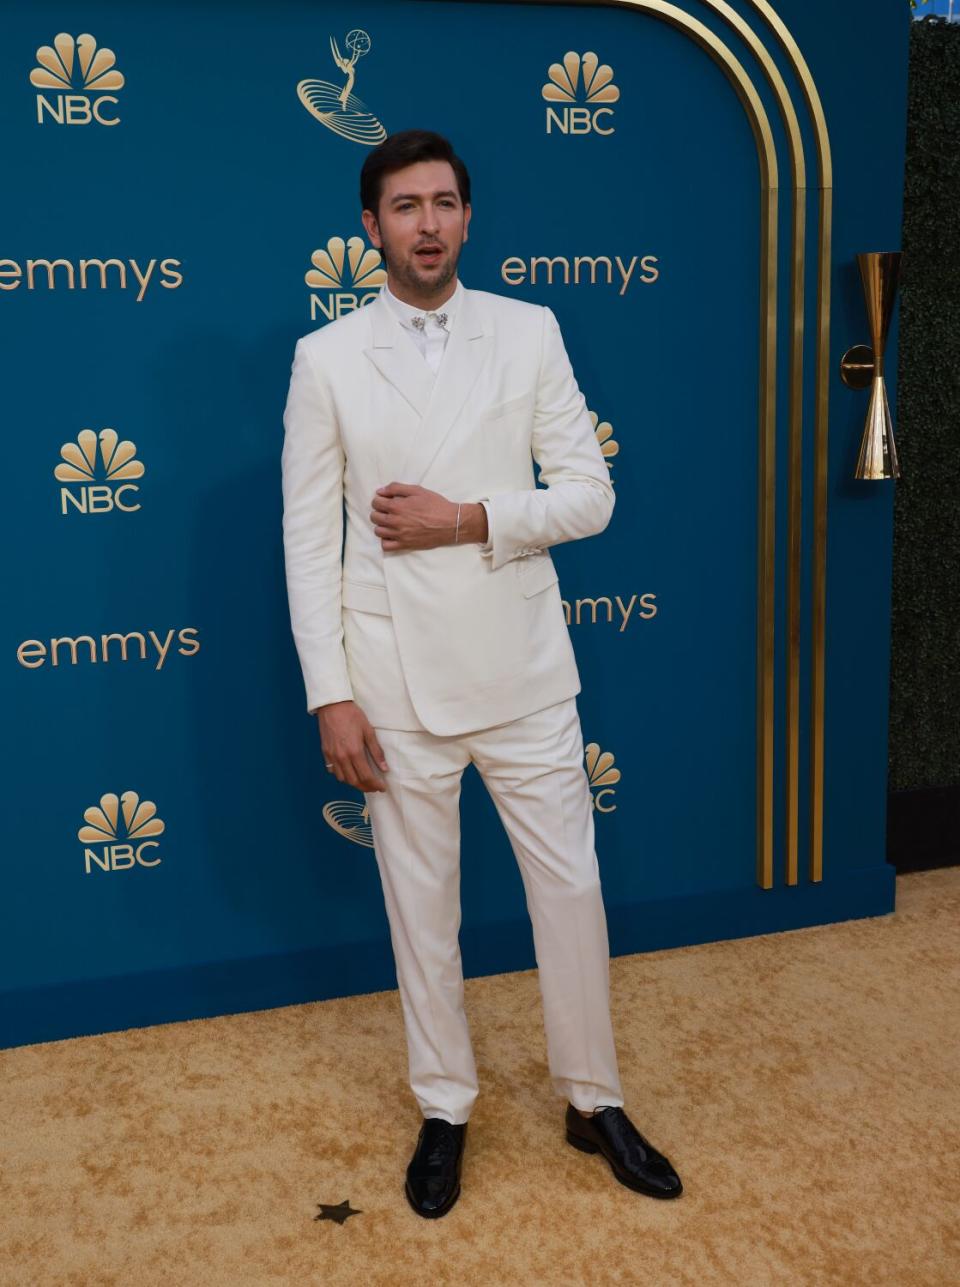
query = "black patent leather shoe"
{"x": 633, "y": 1159}
{"x": 433, "y": 1176}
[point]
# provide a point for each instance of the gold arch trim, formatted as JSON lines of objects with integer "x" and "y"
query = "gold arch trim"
{"x": 821, "y": 437}
{"x": 766, "y": 532}
{"x": 747, "y": 92}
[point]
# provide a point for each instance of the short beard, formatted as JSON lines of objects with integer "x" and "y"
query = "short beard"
{"x": 409, "y": 277}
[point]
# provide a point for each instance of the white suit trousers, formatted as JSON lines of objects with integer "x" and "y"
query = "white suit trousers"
{"x": 534, "y": 770}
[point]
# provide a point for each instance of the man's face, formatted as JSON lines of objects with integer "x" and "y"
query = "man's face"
{"x": 421, "y": 228}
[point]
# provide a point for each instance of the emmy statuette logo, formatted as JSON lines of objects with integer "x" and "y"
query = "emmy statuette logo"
{"x": 81, "y": 76}
{"x": 601, "y": 775}
{"x": 580, "y": 87}
{"x": 120, "y": 844}
{"x": 336, "y": 106}
{"x": 345, "y": 276}
{"x": 350, "y": 819}
{"x": 99, "y": 486}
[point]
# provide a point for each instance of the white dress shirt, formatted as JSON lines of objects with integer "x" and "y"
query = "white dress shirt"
{"x": 431, "y": 343}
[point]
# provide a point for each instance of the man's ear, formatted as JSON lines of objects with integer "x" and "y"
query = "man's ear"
{"x": 372, "y": 227}
{"x": 467, "y": 212}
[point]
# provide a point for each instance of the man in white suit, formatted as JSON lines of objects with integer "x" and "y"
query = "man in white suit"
{"x": 438, "y": 638}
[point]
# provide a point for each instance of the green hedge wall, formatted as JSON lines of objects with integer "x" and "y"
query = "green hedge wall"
{"x": 924, "y": 748}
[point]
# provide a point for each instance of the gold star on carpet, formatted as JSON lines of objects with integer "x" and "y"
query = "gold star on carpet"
{"x": 341, "y": 1212}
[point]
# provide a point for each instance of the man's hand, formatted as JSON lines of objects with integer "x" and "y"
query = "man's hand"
{"x": 347, "y": 736}
{"x": 408, "y": 517}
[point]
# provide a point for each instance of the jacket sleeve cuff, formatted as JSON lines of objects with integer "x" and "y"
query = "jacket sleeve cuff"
{"x": 313, "y": 705}
{"x": 333, "y": 685}
{"x": 495, "y": 548}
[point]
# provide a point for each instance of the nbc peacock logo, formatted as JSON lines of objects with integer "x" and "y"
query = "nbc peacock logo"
{"x": 336, "y": 106}
{"x": 97, "y": 473}
{"x": 120, "y": 833}
{"x": 345, "y": 276}
{"x": 80, "y": 78}
{"x": 350, "y": 819}
{"x": 580, "y": 87}
{"x": 601, "y": 775}
{"x": 603, "y": 432}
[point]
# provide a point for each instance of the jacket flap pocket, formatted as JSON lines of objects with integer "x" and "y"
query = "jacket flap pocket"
{"x": 536, "y": 573}
{"x": 366, "y": 598}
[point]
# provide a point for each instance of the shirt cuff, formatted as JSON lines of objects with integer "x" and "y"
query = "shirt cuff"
{"x": 486, "y": 547}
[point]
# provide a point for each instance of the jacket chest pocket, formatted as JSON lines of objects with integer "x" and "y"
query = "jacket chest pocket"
{"x": 501, "y": 411}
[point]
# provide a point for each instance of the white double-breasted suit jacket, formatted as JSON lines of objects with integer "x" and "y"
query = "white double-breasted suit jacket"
{"x": 475, "y": 635}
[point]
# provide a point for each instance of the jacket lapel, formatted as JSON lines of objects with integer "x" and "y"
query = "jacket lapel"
{"x": 396, "y": 358}
{"x": 440, "y": 405}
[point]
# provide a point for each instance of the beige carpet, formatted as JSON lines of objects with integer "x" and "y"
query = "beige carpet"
{"x": 804, "y": 1084}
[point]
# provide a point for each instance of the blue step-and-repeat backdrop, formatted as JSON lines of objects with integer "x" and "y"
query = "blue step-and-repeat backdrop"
{"x": 687, "y": 187}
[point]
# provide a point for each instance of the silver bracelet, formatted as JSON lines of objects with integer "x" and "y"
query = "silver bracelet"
{"x": 456, "y": 535}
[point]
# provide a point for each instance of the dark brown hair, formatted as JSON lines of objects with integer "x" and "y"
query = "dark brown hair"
{"x": 404, "y": 148}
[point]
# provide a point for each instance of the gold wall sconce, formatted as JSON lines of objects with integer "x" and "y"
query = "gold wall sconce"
{"x": 862, "y": 366}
